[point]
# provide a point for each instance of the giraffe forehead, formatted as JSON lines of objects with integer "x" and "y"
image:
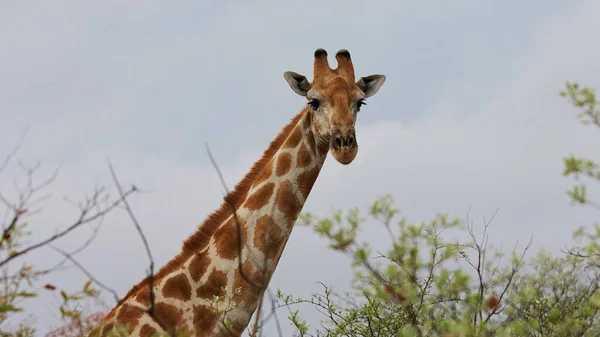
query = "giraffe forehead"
{"x": 337, "y": 86}
{"x": 341, "y": 97}
{"x": 338, "y": 91}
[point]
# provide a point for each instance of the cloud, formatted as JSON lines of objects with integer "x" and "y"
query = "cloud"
{"x": 469, "y": 116}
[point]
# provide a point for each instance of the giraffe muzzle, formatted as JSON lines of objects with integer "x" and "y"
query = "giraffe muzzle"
{"x": 344, "y": 147}
{"x": 340, "y": 141}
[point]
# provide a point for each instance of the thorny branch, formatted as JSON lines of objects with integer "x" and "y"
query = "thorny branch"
{"x": 481, "y": 248}
{"x": 91, "y": 209}
{"x": 480, "y": 268}
{"x": 323, "y": 304}
{"x": 8, "y": 157}
{"x": 86, "y": 272}
{"x": 150, "y": 309}
{"x": 59, "y": 265}
{"x": 84, "y": 218}
{"x": 515, "y": 268}
{"x": 25, "y": 204}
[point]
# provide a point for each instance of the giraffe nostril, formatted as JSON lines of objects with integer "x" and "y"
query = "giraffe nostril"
{"x": 338, "y": 142}
{"x": 350, "y": 141}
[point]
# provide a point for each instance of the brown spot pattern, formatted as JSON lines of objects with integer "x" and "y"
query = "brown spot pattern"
{"x": 312, "y": 145}
{"x": 265, "y": 174}
{"x": 306, "y": 180}
{"x": 178, "y": 287}
{"x": 204, "y": 320}
{"x": 147, "y": 331}
{"x": 226, "y": 238}
{"x": 249, "y": 291}
{"x": 306, "y": 122}
{"x": 129, "y": 315}
{"x": 259, "y": 198}
{"x": 287, "y": 202}
{"x": 169, "y": 314}
{"x": 294, "y": 138}
{"x": 275, "y": 235}
{"x": 303, "y": 157}
{"x": 284, "y": 162}
{"x": 104, "y": 327}
{"x": 199, "y": 264}
{"x": 111, "y": 314}
{"x": 143, "y": 296}
{"x": 107, "y": 328}
{"x": 213, "y": 286}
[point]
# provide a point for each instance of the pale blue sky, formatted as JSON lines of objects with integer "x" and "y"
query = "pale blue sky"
{"x": 469, "y": 115}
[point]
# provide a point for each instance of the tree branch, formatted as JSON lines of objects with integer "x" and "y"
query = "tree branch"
{"x": 150, "y": 309}
{"x": 83, "y": 219}
{"x": 235, "y": 219}
{"x": 8, "y": 157}
{"x": 86, "y": 272}
{"x": 264, "y": 287}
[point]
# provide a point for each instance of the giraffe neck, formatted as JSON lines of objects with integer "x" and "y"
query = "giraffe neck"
{"x": 268, "y": 215}
{"x": 203, "y": 289}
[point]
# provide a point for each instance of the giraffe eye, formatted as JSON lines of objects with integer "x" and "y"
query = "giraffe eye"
{"x": 360, "y": 103}
{"x": 314, "y": 103}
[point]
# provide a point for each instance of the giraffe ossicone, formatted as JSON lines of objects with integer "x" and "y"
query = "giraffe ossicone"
{"x": 214, "y": 285}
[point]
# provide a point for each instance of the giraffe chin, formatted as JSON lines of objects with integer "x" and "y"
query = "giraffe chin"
{"x": 344, "y": 155}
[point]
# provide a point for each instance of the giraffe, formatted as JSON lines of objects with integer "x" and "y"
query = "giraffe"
{"x": 214, "y": 285}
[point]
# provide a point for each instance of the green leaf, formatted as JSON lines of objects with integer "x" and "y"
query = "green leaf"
{"x": 6, "y": 307}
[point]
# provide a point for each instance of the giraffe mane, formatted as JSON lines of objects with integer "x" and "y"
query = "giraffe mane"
{"x": 201, "y": 237}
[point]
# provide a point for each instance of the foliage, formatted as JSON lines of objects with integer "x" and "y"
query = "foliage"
{"x": 20, "y": 281}
{"x": 585, "y": 99}
{"x": 19, "y": 286}
{"x": 427, "y": 284}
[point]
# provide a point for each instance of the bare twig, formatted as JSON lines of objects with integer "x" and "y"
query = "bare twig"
{"x": 19, "y": 276}
{"x": 59, "y": 265}
{"x": 272, "y": 314}
{"x": 23, "y": 207}
{"x": 592, "y": 203}
{"x": 6, "y": 233}
{"x": 8, "y": 157}
{"x": 264, "y": 287}
{"x": 150, "y": 309}
{"x": 235, "y": 219}
{"x": 88, "y": 241}
{"x": 131, "y": 215}
{"x": 576, "y": 253}
{"x": 515, "y": 268}
{"x": 86, "y": 272}
{"x": 83, "y": 219}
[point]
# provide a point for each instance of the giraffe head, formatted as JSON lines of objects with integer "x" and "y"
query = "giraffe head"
{"x": 334, "y": 99}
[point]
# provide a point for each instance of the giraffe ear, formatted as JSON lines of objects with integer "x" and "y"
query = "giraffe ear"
{"x": 297, "y": 82}
{"x": 370, "y": 84}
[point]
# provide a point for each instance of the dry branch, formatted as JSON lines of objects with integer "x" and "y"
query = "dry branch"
{"x": 84, "y": 218}
{"x": 86, "y": 272}
{"x": 264, "y": 287}
{"x": 150, "y": 309}
{"x": 12, "y": 153}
